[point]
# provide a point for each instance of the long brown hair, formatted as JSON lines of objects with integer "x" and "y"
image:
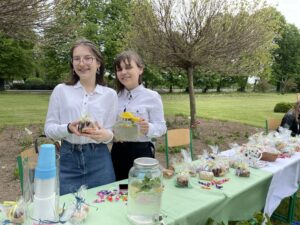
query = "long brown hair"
{"x": 127, "y": 57}
{"x": 296, "y": 111}
{"x": 100, "y": 72}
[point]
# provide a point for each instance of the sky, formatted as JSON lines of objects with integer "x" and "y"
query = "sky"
{"x": 289, "y": 8}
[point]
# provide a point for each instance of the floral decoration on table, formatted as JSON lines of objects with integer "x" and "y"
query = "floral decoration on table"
{"x": 111, "y": 196}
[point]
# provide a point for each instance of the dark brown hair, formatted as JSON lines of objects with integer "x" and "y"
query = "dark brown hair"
{"x": 127, "y": 57}
{"x": 100, "y": 72}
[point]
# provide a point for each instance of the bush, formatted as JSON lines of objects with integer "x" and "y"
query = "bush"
{"x": 34, "y": 83}
{"x": 18, "y": 86}
{"x": 262, "y": 86}
{"x": 283, "y": 107}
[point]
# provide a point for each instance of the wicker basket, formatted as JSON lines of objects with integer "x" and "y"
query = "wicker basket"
{"x": 268, "y": 156}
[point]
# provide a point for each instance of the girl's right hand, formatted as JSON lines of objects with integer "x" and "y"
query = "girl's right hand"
{"x": 73, "y": 127}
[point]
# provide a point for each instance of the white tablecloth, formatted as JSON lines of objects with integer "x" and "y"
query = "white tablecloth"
{"x": 286, "y": 176}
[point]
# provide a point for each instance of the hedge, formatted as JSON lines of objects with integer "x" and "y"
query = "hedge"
{"x": 283, "y": 107}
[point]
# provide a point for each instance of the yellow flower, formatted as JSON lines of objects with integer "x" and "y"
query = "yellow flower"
{"x": 129, "y": 116}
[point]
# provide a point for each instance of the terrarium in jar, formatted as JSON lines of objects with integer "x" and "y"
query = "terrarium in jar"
{"x": 144, "y": 191}
{"x": 126, "y": 128}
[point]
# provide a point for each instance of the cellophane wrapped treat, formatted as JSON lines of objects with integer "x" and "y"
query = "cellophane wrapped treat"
{"x": 80, "y": 209}
{"x": 242, "y": 170}
{"x": 182, "y": 179}
{"x": 14, "y": 211}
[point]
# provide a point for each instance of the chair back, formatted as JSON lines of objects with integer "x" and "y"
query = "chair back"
{"x": 26, "y": 154}
{"x": 177, "y": 138}
{"x": 272, "y": 124}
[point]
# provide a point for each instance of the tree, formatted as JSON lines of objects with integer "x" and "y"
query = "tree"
{"x": 286, "y": 66}
{"x": 15, "y": 59}
{"x": 103, "y": 22}
{"x": 19, "y": 17}
{"x": 115, "y": 23}
{"x": 189, "y": 34}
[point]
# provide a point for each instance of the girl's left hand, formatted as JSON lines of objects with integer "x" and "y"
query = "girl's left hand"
{"x": 144, "y": 126}
{"x": 97, "y": 133}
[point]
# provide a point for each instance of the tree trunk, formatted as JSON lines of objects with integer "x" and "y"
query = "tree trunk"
{"x": 241, "y": 89}
{"x": 190, "y": 70}
{"x": 171, "y": 88}
{"x": 219, "y": 85}
{"x": 242, "y": 82}
{"x": 2, "y": 81}
{"x": 204, "y": 90}
{"x": 278, "y": 86}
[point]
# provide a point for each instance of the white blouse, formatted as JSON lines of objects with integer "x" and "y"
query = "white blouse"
{"x": 147, "y": 104}
{"x": 69, "y": 102}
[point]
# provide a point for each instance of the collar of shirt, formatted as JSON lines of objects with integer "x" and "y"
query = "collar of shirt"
{"x": 98, "y": 89}
{"x": 132, "y": 93}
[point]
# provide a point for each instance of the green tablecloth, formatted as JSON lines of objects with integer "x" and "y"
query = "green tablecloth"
{"x": 238, "y": 200}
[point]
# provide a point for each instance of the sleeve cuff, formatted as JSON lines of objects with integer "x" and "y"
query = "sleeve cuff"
{"x": 150, "y": 131}
{"x": 110, "y": 139}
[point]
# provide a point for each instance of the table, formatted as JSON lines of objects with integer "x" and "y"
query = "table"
{"x": 238, "y": 200}
{"x": 286, "y": 177}
{"x": 285, "y": 180}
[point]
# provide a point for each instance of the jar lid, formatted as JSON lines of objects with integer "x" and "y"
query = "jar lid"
{"x": 146, "y": 162}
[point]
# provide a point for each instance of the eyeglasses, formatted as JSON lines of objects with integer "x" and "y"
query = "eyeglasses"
{"x": 88, "y": 60}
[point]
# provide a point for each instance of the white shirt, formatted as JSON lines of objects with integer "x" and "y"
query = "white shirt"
{"x": 69, "y": 102}
{"x": 147, "y": 104}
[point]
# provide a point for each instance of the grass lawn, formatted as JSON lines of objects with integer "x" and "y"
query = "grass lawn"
{"x": 23, "y": 108}
{"x": 249, "y": 108}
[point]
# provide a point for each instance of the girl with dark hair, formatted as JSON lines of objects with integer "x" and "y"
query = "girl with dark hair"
{"x": 84, "y": 156}
{"x": 291, "y": 120}
{"x": 142, "y": 102}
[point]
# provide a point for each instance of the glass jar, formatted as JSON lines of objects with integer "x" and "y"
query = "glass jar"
{"x": 144, "y": 191}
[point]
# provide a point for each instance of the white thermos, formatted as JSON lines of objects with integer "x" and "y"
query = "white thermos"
{"x": 45, "y": 186}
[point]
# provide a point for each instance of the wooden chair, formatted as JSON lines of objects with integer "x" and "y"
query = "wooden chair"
{"x": 29, "y": 156}
{"x": 272, "y": 124}
{"x": 177, "y": 138}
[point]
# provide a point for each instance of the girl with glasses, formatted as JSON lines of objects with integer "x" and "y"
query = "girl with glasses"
{"x": 84, "y": 156}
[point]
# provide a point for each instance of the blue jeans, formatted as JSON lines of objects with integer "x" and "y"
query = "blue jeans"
{"x": 87, "y": 164}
